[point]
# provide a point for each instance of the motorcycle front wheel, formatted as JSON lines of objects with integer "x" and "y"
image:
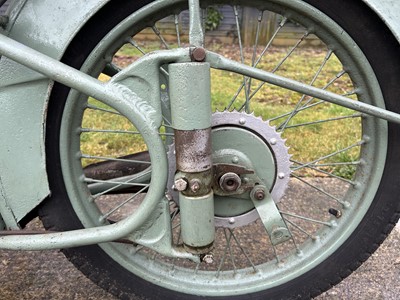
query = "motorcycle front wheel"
{"x": 340, "y": 200}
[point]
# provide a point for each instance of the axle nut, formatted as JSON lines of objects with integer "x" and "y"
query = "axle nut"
{"x": 230, "y": 182}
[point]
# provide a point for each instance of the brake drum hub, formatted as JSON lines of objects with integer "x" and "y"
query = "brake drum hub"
{"x": 246, "y": 151}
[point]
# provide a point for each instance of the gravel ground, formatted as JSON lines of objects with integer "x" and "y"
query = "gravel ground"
{"x": 49, "y": 275}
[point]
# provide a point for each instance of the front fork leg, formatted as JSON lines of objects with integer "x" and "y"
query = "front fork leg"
{"x": 191, "y": 119}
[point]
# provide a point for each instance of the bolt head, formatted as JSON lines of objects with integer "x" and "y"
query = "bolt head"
{"x": 242, "y": 121}
{"x": 199, "y": 54}
{"x": 180, "y": 184}
{"x": 208, "y": 258}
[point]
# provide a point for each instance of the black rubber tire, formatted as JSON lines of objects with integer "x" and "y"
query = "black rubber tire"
{"x": 382, "y": 51}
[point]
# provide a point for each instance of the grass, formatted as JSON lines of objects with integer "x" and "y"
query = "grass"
{"x": 307, "y": 143}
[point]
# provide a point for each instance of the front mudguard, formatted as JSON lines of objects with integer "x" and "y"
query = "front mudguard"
{"x": 49, "y": 26}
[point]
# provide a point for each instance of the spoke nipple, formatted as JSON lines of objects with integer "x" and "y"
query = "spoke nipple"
{"x": 242, "y": 121}
{"x": 335, "y": 212}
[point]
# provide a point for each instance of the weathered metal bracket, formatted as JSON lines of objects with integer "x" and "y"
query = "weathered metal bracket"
{"x": 269, "y": 215}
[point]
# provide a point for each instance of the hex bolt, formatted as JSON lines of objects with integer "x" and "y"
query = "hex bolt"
{"x": 198, "y": 54}
{"x": 180, "y": 184}
{"x": 195, "y": 185}
{"x": 259, "y": 194}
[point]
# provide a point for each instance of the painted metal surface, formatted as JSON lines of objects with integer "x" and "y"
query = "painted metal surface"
{"x": 190, "y": 92}
{"x": 23, "y": 98}
{"x": 389, "y": 12}
{"x": 23, "y": 110}
{"x": 23, "y": 158}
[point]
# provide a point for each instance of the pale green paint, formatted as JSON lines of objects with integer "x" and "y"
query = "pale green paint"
{"x": 270, "y": 217}
{"x": 389, "y": 12}
{"x": 23, "y": 99}
{"x": 23, "y": 157}
{"x": 191, "y": 94}
{"x": 197, "y": 220}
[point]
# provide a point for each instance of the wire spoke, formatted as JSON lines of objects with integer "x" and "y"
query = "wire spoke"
{"x": 320, "y": 190}
{"x": 107, "y": 158}
{"x": 228, "y": 241}
{"x": 281, "y": 25}
{"x": 230, "y": 252}
{"x": 329, "y": 155}
{"x": 313, "y": 167}
{"x": 158, "y": 33}
{"x": 178, "y": 36}
{"x": 110, "y": 212}
{"x": 93, "y": 107}
{"x": 300, "y": 228}
{"x": 242, "y": 250}
{"x": 136, "y": 45}
{"x": 280, "y": 63}
{"x": 327, "y": 57}
{"x": 88, "y": 130}
{"x": 245, "y": 79}
{"x": 307, "y": 105}
{"x": 305, "y": 218}
{"x": 120, "y": 183}
{"x": 323, "y": 121}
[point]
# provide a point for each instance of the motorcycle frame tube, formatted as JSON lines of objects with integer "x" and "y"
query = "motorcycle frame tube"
{"x": 119, "y": 98}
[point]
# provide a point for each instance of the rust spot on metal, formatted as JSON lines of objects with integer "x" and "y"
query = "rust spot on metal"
{"x": 193, "y": 150}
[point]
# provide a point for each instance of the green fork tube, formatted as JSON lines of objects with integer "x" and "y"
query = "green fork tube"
{"x": 191, "y": 120}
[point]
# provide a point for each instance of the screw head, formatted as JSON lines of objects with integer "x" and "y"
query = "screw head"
{"x": 180, "y": 184}
{"x": 242, "y": 121}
